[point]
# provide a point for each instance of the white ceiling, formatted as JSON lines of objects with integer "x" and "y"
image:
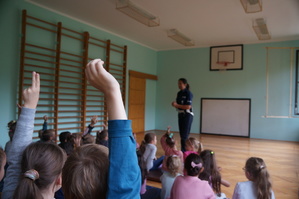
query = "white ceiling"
{"x": 207, "y": 22}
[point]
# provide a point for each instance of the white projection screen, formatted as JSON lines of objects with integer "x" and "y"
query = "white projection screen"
{"x": 225, "y": 116}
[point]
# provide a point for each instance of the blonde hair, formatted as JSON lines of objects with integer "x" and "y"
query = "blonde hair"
{"x": 195, "y": 144}
{"x": 173, "y": 165}
{"x": 257, "y": 169}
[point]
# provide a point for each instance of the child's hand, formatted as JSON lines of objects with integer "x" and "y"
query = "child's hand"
{"x": 31, "y": 94}
{"x": 98, "y": 77}
{"x": 94, "y": 120}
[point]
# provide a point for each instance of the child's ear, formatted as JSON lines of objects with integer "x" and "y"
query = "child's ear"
{"x": 59, "y": 180}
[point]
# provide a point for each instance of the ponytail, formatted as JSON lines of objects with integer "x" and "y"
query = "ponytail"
{"x": 41, "y": 165}
{"x": 261, "y": 178}
{"x": 142, "y": 147}
{"x": 184, "y": 80}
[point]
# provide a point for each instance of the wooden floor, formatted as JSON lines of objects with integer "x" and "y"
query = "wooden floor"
{"x": 281, "y": 157}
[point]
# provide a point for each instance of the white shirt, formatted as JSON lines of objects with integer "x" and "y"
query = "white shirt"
{"x": 167, "y": 181}
{"x": 247, "y": 190}
{"x": 149, "y": 155}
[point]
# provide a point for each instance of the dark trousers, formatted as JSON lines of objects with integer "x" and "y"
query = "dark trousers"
{"x": 185, "y": 121}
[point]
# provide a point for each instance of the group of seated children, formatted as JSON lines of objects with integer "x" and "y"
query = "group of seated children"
{"x": 110, "y": 168}
{"x": 194, "y": 173}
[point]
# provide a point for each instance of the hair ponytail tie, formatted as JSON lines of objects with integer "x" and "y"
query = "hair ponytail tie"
{"x": 170, "y": 135}
{"x": 32, "y": 174}
{"x": 193, "y": 165}
{"x": 262, "y": 167}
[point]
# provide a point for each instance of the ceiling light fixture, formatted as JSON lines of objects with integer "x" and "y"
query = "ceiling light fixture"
{"x": 252, "y": 6}
{"x": 260, "y": 27}
{"x": 179, "y": 37}
{"x": 137, "y": 13}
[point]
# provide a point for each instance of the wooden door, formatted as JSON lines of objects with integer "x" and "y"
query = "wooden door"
{"x": 137, "y": 103}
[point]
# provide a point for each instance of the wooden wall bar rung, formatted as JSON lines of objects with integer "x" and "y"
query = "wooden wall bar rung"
{"x": 37, "y": 66}
{"x": 41, "y": 27}
{"x": 66, "y": 82}
{"x": 41, "y": 73}
{"x": 99, "y": 116}
{"x": 71, "y": 65}
{"x": 66, "y": 117}
{"x": 121, "y": 47}
{"x": 80, "y": 62}
{"x": 95, "y": 111}
{"x": 79, "y": 89}
{"x": 41, "y": 54}
{"x": 114, "y": 69}
{"x": 61, "y": 129}
{"x": 37, "y": 19}
{"x": 97, "y": 45}
{"x": 78, "y": 122}
{"x": 95, "y": 100}
{"x": 45, "y": 111}
{"x": 79, "y": 33}
{"x": 98, "y": 39}
{"x": 71, "y": 36}
{"x": 62, "y": 52}
{"x": 117, "y": 74}
{"x": 70, "y": 71}
{"x": 71, "y": 77}
{"x": 117, "y": 51}
{"x": 42, "y": 79}
{"x": 44, "y": 48}
{"x": 68, "y": 111}
{"x": 117, "y": 65}
{"x": 96, "y": 106}
{"x": 35, "y": 59}
{"x": 69, "y": 94}
{"x": 77, "y": 100}
{"x": 95, "y": 95}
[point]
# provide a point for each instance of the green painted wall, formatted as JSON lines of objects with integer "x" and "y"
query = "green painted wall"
{"x": 250, "y": 82}
{"x": 140, "y": 58}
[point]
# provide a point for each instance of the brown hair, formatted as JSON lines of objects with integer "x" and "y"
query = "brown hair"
{"x": 88, "y": 139}
{"x": 173, "y": 165}
{"x": 47, "y": 135}
{"x": 211, "y": 173}
{"x": 85, "y": 173}
{"x": 257, "y": 169}
{"x": 148, "y": 138}
{"x": 170, "y": 140}
{"x": 195, "y": 144}
{"x": 47, "y": 159}
{"x": 2, "y": 158}
{"x": 101, "y": 135}
{"x": 190, "y": 169}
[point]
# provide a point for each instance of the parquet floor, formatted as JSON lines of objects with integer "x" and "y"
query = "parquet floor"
{"x": 281, "y": 157}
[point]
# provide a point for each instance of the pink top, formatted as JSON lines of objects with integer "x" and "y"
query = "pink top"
{"x": 186, "y": 153}
{"x": 168, "y": 152}
{"x": 191, "y": 187}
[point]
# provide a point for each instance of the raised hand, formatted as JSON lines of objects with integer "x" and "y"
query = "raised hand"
{"x": 93, "y": 120}
{"x": 99, "y": 78}
{"x": 45, "y": 118}
{"x": 31, "y": 94}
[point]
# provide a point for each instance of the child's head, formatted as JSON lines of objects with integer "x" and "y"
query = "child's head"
{"x": 193, "y": 165}
{"x": 2, "y": 163}
{"x": 192, "y": 144}
{"x": 64, "y": 136}
{"x": 85, "y": 173}
{"x": 48, "y": 135}
{"x": 211, "y": 173}
{"x": 41, "y": 166}
{"x": 88, "y": 139}
{"x": 256, "y": 171}
{"x": 170, "y": 140}
{"x": 173, "y": 164}
{"x": 102, "y": 135}
{"x": 11, "y": 128}
{"x": 149, "y": 138}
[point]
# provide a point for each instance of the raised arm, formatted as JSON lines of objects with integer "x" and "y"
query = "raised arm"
{"x": 124, "y": 180}
{"x": 93, "y": 122}
{"x": 22, "y": 137}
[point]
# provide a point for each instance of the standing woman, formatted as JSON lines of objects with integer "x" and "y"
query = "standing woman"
{"x": 183, "y": 105}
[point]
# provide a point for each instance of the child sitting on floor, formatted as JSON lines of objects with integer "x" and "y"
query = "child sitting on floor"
{"x": 102, "y": 137}
{"x": 148, "y": 150}
{"x": 190, "y": 186}
{"x": 192, "y": 145}
{"x": 174, "y": 167}
{"x": 169, "y": 146}
{"x": 259, "y": 185}
{"x": 211, "y": 173}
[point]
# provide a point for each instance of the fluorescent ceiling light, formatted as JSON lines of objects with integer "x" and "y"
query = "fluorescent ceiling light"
{"x": 137, "y": 13}
{"x": 179, "y": 37}
{"x": 252, "y": 6}
{"x": 260, "y": 27}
